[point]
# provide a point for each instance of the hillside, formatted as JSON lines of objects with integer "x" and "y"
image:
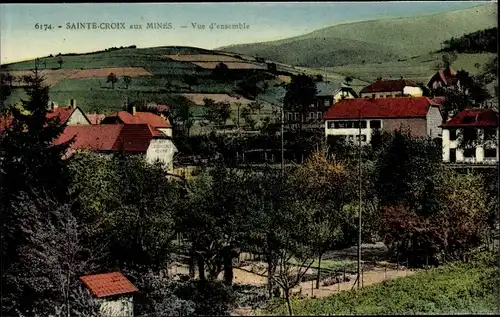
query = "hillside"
{"x": 373, "y": 41}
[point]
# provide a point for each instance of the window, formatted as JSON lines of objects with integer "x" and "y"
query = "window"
{"x": 470, "y": 134}
{"x": 297, "y": 116}
{"x": 290, "y": 116}
{"x": 373, "y": 96}
{"x": 330, "y": 124}
{"x": 490, "y": 134}
{"x": 453, "y": 134}
{"x": 326, "y": 103}
{"x": 470, "y": 152}
{"x": 388, "y": 96}
{"x": 489, "y": 153}
{"x": 375, "y": 124}
{"x": 340, "y": 125}
{"x": 349, "y": 124}
{"x": 356, "y": 124}
{"x": 350, "y": 137}
{"x": 320, "y": 115}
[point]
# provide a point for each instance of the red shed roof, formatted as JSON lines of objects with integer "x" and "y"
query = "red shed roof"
{"x": 410, "y": 107}
{"x": 475, "y": 117}
{"x": 152, "y": 119}
{"x": 107, "y": 284}
{"x": 109, "y": 137}
{"x": 388, "y": 85}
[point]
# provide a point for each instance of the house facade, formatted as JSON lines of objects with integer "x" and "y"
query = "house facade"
{"x": 113, "y": 292}
{"x": 327, "y": 94}
{"x": 391, "y": 88}
{"x": 471, "y": 137}
{"x": 443, "y": 78}
{"x": 351, "y": 119}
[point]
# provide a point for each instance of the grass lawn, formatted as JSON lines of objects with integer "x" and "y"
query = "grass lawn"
{"x": 453, "y": 288}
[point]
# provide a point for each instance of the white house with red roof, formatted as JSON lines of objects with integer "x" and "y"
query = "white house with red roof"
{"x": 114, "y": 293}
{"x": 471, "y": 137}
{"x": 350, "y": 118}
{"x": 391, "y": 88}
{"x": 443, "y": 78}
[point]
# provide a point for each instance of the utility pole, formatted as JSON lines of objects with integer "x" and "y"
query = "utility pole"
{"x": 360, "y": 201}
{"x": 282, "y": 142}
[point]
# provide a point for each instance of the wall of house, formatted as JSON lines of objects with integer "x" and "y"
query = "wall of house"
{"x": 121, "y": 307}
{"x": 367, "y": 132}
{"x": 338, "y": 96}
{"x": 417, "y": 126}
{"x": 413, "y": 91}
{"x": 479, "y": 152}
{"x": 77, "y": 117}
{"x": 434, "y": 120}
{"x": 163, "y": 150}
{"x": 381, "y": 94}
{"x": 166, "y": 131}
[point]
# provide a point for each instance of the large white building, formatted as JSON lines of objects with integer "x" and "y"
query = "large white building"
{"x": 471, "y": 137}
{"x": 350, "y": 118}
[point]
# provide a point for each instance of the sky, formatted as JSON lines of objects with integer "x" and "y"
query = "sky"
{"x": 24, "y": 32}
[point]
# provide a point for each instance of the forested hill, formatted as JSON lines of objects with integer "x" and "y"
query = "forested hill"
{"x": 482, "y": 41}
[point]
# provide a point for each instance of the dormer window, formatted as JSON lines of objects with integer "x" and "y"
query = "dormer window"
{"x": 468, "y": 119}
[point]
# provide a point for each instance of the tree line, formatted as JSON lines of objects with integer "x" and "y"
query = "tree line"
{"x": 482, "y": 41}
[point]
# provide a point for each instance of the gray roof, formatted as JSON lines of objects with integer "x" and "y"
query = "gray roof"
{"x": 329, "y": 88}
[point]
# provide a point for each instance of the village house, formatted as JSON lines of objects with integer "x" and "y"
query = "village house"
{"x": 471, "y": 137}
{"x": 136, "y": 117}
{"x": 391, "y": 88}
{"x": 443, "y": 78}
{"x": 113, "y": 292}
{"x": 351, "y": 118}
{"x": 72, "y": 115}
{"x": 328, "y": 93}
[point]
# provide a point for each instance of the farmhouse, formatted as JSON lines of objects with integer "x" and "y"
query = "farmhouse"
{"x": 136, "y": 117}
{"x": 391, "y": 88}
{"x": 443, "y": 78}
{"x": 71, "y": 115}
{"x": 471, "y": 137}
{"x": 351, "y": 118}
{"x": 114, "y": 293}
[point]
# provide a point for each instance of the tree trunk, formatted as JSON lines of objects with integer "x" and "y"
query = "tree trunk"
{"x": 227, "y": 259}
{"x": 270, "y": 274}
{"x": 201, "y": 268}
{"x": 319, "y": 271}
{"x": 191, "y": 263}
{"x": 288, "y": 303}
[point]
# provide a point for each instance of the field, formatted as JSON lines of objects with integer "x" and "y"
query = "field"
{"x": 230, "y": 65}
{"x": 374, "y": 41}
{"x": 452, "y": 289}
{"x": 104, "y": 72}
{"x": 203, "y": 58}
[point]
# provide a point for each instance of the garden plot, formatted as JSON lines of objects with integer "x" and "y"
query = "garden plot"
{"x": 104, "y": 72}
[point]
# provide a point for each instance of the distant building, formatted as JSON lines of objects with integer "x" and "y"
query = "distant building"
{"x": 113, "y": 291}
{"x": 96, "y": 118}
{"x": 71, "y": 115}
{"x": 327, "y": 94}
{"x": 443, "y": 78}
{"x": 471, "y": 137}
{"x": 135, "y": 117}
{"x": 141, "y": 139}
{"x": 391, "y": 88}
{"x": 418, "y": 114}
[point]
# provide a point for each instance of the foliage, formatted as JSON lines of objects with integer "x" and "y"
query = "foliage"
{"x": 217, "y": 112}
{"x": 113, "y": 79}
{"x": 476, "y": 42}
{"x": 300, "y": 94}
{"x": 127, "y": 80}
{"x": 190, "y": 80}
{"x": 220, "y": 71}
{"x": 131, "y": 209}
{"x": 451, "y": 289}
{"x": 5, "y": 90}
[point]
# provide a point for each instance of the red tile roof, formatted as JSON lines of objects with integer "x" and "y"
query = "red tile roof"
{"x": 107, "y": 284}
{"x": 388, "y": 85}
{"x": 96, "y": 118}
{"x": 448, "y": 77}
{"x": 141, "y": 117}
{"x": 475, "y": 117}
{"x": 64, "y": 113}
{"x": 402, "y": 107}
{"x": 109, "y": 137}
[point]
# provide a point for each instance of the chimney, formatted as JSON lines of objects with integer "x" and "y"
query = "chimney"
{"x": 72, "y": 103}
{"x": 133, "y": 111}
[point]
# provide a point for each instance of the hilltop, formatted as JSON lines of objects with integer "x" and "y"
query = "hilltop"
{"x": 373, "y": 41}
